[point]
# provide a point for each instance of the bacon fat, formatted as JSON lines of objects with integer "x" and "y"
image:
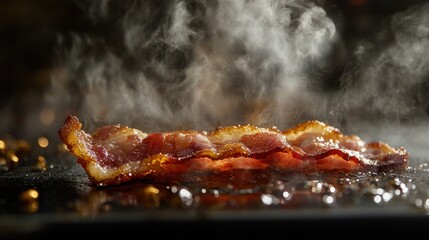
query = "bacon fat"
{"x": 116, "y": 154}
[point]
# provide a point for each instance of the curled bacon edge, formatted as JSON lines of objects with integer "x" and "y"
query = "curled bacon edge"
{"x": 116, "y": 154}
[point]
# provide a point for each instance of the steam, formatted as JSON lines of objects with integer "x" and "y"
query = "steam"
{"x": 202, "y": 64}
{"x": 390, "y": 80}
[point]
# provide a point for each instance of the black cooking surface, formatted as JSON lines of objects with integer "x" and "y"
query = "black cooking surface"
{"x": 66, "y": 200}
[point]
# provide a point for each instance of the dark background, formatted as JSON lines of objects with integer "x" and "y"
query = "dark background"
{"x": 29, "y": 31}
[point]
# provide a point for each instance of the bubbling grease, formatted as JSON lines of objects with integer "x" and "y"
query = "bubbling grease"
{"x": 338, "y": 192}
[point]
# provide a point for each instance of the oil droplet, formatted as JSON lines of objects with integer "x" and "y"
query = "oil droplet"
{"x": 404, "y": 187}
{"x": 286, "y": 195}
{"x": 269, "y": 199}
{"x": 29, "y": 194}
{"x": 151, "y": 190}
{"x": 216, "y": 193}
{"x": 29, "y": 200}
{"x": 418, "y": 202}
{"x": 151, "y": 197}
{"x": 174, "y": 189}
{"x": 41, "y": 163}
{"x": 317, "y": 187}
{"x": 186, "y": 196}
{"x": 397, "y": 192}
{"x": 387, "y": 196}
{"x": 377, "y": 199}
{"x": 327, "y": 199}
{"x": 11, "y": 155}
{"x": 43, "y": 142}
{"x": 378, "y": 191}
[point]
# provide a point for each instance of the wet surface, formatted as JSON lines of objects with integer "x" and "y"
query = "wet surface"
{"x": 45, "y": 193}
{"x": 37, "y": 202}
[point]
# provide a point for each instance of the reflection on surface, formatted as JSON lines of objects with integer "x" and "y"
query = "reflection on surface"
{"x": 63, "y": 189}
{"x": 293, "y": 191}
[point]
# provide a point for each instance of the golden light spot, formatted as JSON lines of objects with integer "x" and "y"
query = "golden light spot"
{"x": 47, "y": 116}
{"x": 11, "y": 155}
{"x": 150, "y": 197}
{"x": 151, "y": 190}
{"x": 33, "y": 193}
{"x": 2, "y": 145}
{"x": 43, "y": 142}
{"x": 29, "y": 195}
{"x": 29, "y": 200}
{"x": 41, "y": 163}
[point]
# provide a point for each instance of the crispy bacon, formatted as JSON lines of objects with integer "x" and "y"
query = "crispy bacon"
{"x": 116, "y": 154}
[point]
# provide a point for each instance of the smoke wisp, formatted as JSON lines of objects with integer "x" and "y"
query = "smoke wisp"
{"x": 389, "y": 80}
{"x": 161, "y": 65}
{"x": 187, "y": 64}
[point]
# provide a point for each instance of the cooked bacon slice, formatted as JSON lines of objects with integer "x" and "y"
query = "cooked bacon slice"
{"x": 115, "y": 154}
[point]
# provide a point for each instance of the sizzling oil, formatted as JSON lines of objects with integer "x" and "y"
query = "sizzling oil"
{"x": 258, "y": 190}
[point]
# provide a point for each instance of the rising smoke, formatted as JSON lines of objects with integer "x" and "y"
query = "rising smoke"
{"x": 390, "y": 78}
{"x": 159, "y": 65}
{"x": 197, "y": 64}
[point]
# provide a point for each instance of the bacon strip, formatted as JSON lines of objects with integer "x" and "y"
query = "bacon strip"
{"x": 116, "y": 154}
